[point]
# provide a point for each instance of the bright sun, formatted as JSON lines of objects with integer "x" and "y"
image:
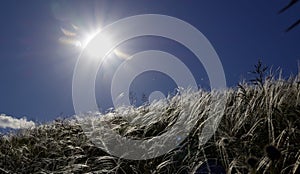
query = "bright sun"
{"x": 87, "y": 38}
{"x": 94, "y": 43}
{"x": 97, "y": 44}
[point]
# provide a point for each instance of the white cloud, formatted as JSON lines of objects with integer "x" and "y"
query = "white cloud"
{"x": 14, "y": 123}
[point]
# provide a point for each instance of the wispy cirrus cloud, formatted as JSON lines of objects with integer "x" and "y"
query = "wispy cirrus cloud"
{"x": 14, "y": 123}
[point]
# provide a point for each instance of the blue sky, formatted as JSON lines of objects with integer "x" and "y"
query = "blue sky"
{"x": 36, "y": 68}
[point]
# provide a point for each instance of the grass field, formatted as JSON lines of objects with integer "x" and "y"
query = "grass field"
{"x": 259, "y": 133}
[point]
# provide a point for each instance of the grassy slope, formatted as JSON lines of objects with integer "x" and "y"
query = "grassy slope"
{"x": 255, "y": 117}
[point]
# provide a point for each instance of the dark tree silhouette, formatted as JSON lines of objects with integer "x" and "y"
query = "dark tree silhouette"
{"x": 144, "y": 99}
{"x": 132, "y": 98}
{"x": 292, "y": 3}
{"x": 293, "y": 26}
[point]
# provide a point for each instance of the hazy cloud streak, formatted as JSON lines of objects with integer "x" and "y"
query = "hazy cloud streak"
{"x": 15, "y": 123}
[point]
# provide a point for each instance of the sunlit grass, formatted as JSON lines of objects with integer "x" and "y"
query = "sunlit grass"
{"x": 259, "y": 133}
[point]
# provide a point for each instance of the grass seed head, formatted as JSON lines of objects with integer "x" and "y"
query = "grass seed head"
{"x": 272, "y": 152}
{"x": 252, "y": 162}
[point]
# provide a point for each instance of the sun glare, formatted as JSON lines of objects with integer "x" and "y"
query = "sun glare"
{"x": 97, "y": 44}
{"x": 87, "y": 38}
{"x": 82, "y": 40}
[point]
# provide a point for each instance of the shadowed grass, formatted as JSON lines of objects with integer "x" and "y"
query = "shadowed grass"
{"x": 259, "y": 133}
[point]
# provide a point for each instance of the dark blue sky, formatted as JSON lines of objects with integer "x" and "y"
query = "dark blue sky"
{"x": 36, "y": 69}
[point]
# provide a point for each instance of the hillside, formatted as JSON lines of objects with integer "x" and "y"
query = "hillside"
{"x": 259, "y": 133}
